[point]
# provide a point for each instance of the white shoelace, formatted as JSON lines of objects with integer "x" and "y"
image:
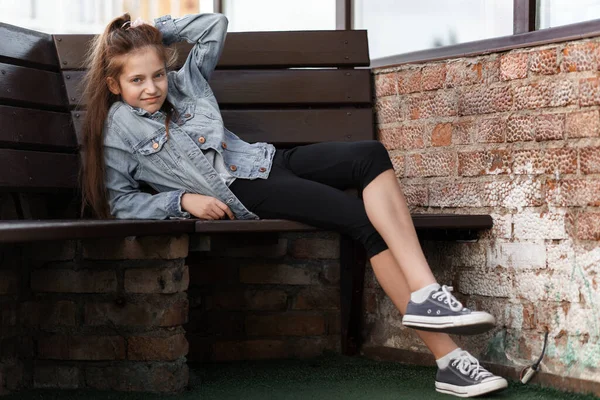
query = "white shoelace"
{"x": 446, "y": 297}
{"x": 469, "y": 365}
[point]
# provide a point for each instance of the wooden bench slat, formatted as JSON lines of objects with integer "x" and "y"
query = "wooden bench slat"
{"x": 28, "y": 128}
{"x": 27, "y": 46}
{"x": 34, "y": 170}
{"x": 273, "y": 87}
{"x": 21, "y": 85}
{"x": 452, "y": 221}
{"x": 289, "y": 127}
{"x": 256, "y": 49}
{"x": 36, "y": 230}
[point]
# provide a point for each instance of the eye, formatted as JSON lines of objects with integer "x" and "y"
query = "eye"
{"x": 136, "y": 80}
{"x": 160, "y": 75}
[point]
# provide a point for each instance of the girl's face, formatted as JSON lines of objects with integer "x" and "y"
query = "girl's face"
{"x": 143, "y": 80}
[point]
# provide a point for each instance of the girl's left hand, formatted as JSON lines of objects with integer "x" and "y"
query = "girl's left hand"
{"x": 138, "y": 22}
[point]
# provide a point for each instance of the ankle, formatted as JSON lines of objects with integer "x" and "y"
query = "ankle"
{"x": 419, "y": 296}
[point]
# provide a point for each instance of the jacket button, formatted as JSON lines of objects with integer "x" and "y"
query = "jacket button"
{"x": 224, "y": 145}
{"x": 262, "y": 169}
{"x": 201, "y": 139}
{"x": 186, "y": 115}
{"x": 155, "y": 146}
{"x": 233, "y": 168}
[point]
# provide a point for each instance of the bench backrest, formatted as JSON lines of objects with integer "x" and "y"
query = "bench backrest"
{"x": 286, "y": 88}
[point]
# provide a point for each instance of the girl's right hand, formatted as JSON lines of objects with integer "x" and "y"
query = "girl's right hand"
{"x": 205, "y": 207}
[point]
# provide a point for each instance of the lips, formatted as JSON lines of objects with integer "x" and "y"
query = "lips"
{"x": 151, "y": 98}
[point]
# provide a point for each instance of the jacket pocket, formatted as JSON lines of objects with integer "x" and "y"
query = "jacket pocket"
{"x": 185, "y": 114}
{"x": 151, "y": 146}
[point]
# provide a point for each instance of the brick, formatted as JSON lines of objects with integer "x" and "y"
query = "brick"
{"x": 442, "y": 103}
{"x": 513, "y": 66}
{"x": 486, "y": 282}
{"x": 465, "y": 194}
{"x": 398, "y": 164}
{"x": 513, "y": 194}
{"x": 589, "y": 158}
{"x": 258, "y": 300}
{"x": 535, "y": 225}
{"x": 171, "y": 377}
{"x": 460, "y": 73}
{"x": 249, "y": 350}
{"x": 48, "y": 314}
{"x": 544, "y": 62}
{"x": 589, "y": 95}
{"x": 330, "y": 274}
{"x": 416, "y": 195}
{"x": 550, "y": 161}
{"x": 315, "y": 248}
{"x": 490, "y": 130}
{"x": 579, "y": 57}
{"x": 52, "y": 251}
{"x": 433, "y": 76}
{"x": 430, "y": 164}
{"x": 144, "y": 348}
{"x": 137, "y": 248}
{"x": 442, "y": 135}
{"x": 386, "y": 84}
{"x": 277, "y": 274}
{"x": 582, "y": 124}
{"x": 317, "y": 298}
{"x": 549, "y": 127}
{"x": 91, "y": 348}
{"x": 387, "y": 110}
{"x": 285, "y": 325}
{"x": 70, "y": 281}
{"x": 9, "y": 282}
{"x": 517, "y": 255}
{"x": 588, "y": 226}
{"x": 476, "y": 163}
{"x": 483, "y": 100}
{"x": 544, "y": 285}
{"x": 405, "y": 137}
{"x": 57, "y": 377}
{"x": 573, "y": 193}
{"x": 491, "y": 70}
{"x": 409, "y": 81}
{"x": 157, "y": 280}
{"x": 520, "y": 128}
{"x": 547, "y": 93}
{"x": 149, "y": 312}
{"x": 463, "y": 131}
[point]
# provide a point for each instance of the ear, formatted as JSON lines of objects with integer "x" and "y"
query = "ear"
{"x": 113, "y": 85}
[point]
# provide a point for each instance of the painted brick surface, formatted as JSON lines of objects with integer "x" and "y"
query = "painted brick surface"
{"x": 515, "y": 135}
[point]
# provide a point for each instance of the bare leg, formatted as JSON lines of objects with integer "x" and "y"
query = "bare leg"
{"x": 393, "y": 282}
{"x": 389, "y": 214}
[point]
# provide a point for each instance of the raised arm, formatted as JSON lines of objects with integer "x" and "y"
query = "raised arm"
{"x": 206, "y": 31}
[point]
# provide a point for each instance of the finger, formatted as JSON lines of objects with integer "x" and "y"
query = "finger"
{"x": 139, "y": 21}
{"x": 219, "y": 212}
{"x": 226, "y": 209}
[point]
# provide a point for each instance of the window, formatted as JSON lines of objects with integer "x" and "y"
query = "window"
{"x": 279, "y": 15}
{"x": 397, "y": 27}
{"x": 563, "y": 12}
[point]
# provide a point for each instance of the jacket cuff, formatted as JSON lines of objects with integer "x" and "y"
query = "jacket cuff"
{"x": 174, "y": 210}
{"x": 166, "y": 26}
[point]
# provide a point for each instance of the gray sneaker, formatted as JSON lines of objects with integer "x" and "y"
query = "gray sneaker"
{"x": 464, "y": 377}
{"x": 441, "y": 312}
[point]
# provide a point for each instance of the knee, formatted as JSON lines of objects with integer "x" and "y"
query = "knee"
{"x": 374, "y": 150}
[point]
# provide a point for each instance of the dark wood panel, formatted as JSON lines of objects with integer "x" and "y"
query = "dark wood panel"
{"x": 29, "y": 47}
{"x": 37, "y": 230}
{"x": 37, "y": 170}
{"x": 293, "y": 87}
{"x": 27, "y": 128}
{"x": 30, "y": 86}
{"x": 256, "y": 49}
{"x": 452, "y": 221}
{"x": 287, "y": 127}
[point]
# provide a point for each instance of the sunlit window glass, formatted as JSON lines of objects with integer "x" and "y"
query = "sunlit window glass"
{"x": 553, "y": 13}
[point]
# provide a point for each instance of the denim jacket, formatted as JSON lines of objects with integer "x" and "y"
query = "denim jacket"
{"x": 137, "y": 148}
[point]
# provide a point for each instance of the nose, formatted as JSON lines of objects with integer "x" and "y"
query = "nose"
{"x": 151, "y": 87}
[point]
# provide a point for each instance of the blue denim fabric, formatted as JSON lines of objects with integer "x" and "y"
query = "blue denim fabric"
{"x": 137, "y": 148}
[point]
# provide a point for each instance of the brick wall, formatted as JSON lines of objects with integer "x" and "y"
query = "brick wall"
{"x": 515, "y": 135}
{"x": 275, "y": 296}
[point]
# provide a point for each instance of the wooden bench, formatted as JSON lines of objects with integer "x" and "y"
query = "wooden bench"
{"x": 287, "y": 88}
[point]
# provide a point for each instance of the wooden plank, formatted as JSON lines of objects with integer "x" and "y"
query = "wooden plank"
{"x": 35, "y": 170}
{"x": 38, "y": 230}
{"x": 290, "y": 127}
{"x": 452, "y": 221}
{"x": 273, "y": 87}
{"x": 27, "y": 46}
{"x": 256, "y": 49}
{"x": 21, "y": 85}
{"x": 29, "y": 128}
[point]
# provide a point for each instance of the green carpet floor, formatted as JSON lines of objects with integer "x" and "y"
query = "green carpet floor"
{"x": 329, "y": 377}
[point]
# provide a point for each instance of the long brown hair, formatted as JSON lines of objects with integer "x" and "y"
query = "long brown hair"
{"x": 103, "y": 61}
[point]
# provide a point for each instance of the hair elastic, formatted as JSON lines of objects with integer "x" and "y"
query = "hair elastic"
{"x": 125, "y": 24}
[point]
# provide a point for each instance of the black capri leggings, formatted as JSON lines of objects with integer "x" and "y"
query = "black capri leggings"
{"x": 306, "y": 184}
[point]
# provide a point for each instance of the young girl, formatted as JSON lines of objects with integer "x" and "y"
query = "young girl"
{"x": 164, "y": 129}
